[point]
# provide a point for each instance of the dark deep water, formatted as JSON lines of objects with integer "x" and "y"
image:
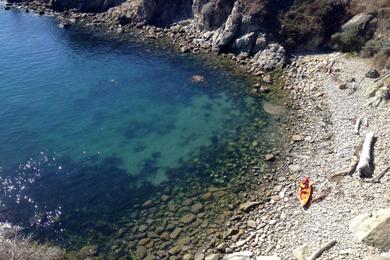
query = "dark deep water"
{"x": 90, "y": 127}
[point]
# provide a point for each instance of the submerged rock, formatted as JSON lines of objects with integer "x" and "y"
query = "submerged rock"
{"x": 187, "y": 219}
{"x": 198, "y": 79}
{"x": 273, "y": 109}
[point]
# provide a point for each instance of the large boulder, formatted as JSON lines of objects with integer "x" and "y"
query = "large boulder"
{"x": 373, "y": 229}
{"x": 245, "y": 43}
{"x": 272, "y": 57}
{"x": 354, "y": 33}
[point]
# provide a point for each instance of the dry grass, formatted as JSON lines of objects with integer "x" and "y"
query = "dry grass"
{"x": 16, "y": 247}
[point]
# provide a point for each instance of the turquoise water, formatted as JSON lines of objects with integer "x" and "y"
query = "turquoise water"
{"x": 90, "y": 126}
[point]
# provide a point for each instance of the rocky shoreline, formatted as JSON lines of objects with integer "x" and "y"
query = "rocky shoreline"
{"x": 269, "y": 221}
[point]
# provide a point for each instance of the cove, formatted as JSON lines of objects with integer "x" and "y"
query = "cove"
{"x": 91, "y": 129}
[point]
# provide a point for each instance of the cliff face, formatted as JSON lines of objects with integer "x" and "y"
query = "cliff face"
{"x": 266, "y": 28}
{"x": 83, "y": 5}
{"x": 295, "y": 24}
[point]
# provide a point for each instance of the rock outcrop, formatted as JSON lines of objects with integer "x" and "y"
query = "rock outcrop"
{"x": 373, "y": 229}
{"x": 354, "y": 33}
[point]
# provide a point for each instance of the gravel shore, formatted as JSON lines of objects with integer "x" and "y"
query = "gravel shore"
{"x": 322, "y": 121}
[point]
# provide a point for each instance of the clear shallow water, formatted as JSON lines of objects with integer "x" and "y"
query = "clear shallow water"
{"x": 89, "y": 127}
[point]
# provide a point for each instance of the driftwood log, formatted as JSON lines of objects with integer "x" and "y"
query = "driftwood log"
{"x": 322, "y": 250}
{"x": 357, "y": 125}
{"x": 364, "y": 167}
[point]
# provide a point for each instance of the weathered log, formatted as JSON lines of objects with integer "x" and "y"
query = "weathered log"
{"x": 378, "y": 178}
{"x": 364, "y": 167}
{"x": 383, "y": 76}
{"x": 322, "y": 250}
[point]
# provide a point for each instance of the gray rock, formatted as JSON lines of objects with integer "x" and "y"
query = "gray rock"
{"x": 199, "y": 256}
{"x": 373, "y": 229}
{"x": 222, "y": 247}
{"x": 248, "y": 206}
{"x": 272, "y": 57}
{"x": 359, "y": 21}
{"x": 251, "y": 223}
{"x": 187, "y": 219}
{"x": 244, "y": 255}
{"x": 353, "y": 34}
{"x": 294, "y": 168}
{"x": 175, "y": 233}
{"x": 301, "y": 252}
{"x": 245, "y": 43}
{"x": 372, "y": 74}
{"x": 273, "y": 109}
{"x": 196, "y": 208}
{"x": 213, "y": 257}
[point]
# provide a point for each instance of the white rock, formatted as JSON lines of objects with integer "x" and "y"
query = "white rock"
{"x": 243, "y": 255}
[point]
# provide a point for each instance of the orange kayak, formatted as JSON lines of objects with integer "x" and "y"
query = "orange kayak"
{"x": 305, "y": 190}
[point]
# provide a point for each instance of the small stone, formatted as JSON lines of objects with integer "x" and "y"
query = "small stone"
{"x": 165, "y": 236}
{"x": 268, "y": 258}
{"x": 251, "y": 223}
{"x": 88, "y": 251}
{"x": 147, "y": 204}
{"x": 144, "y": 241}
{"x": 343, "y": 86}
{"x": 301, "y": 252}
{"x": 297, "y": 138}
{"x": 269, "y": 157}
{"x": 196, "y": 208}
{"x": 199, "y": 256}
{"x": 294, "y": 168}
{"x": 212, "y": 257}
{"x": 142, "y": 228}
{"x": 264, "y": 89}
{"x": 243, "y": 255}
{"x": 175, "y": 233}
{"x": 272, "y": 222}
{"x": 267, "y": 79}
{"x": 198, "y": 79}
{"x": 207, "y": 196}
{"x": 275, "y": 198}
{"x": 184, "y": 49}
{"x": 188, "y": 257}
{"x": 248, "y": 206}
{"x": 187, "y": 219}
{"x": 222, "y": 247}
{"x": 164, "y": 198}
{"x": 150, "y": 257}
{"x": 174, "y": 250}
{"x": 140, "y": 251}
